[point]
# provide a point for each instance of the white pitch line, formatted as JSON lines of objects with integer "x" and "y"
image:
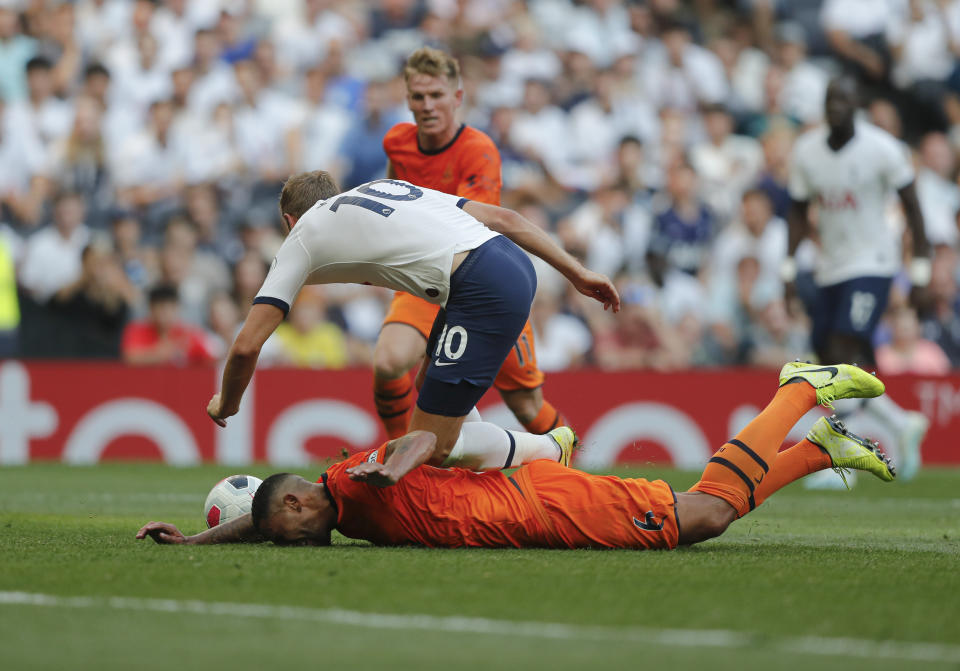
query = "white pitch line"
{"x": 688, "y": 638}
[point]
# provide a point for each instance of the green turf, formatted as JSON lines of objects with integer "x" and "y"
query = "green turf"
{"x": 881, "y": 563}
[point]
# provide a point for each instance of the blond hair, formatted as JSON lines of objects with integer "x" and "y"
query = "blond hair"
{"x": 302, "y": 191}
{"x": 434, "y": 63}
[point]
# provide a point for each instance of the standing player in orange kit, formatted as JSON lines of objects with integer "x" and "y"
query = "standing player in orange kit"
{"x": 439, "y": 153}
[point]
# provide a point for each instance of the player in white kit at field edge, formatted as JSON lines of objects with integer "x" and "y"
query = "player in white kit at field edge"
{"x": 849, "y": 169}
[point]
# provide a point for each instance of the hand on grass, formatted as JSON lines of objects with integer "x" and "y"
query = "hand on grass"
{"x": 372, "y": 473}
{"x": 163, "y": 533}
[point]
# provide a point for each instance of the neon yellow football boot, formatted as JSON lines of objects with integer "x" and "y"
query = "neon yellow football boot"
{"x": 833, "y": 382}
{"x": 566, "y": 440}
{"x": 848, "y": 450}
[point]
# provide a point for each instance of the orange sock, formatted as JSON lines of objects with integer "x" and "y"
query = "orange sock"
{"x": 792, "y": 464}
{"x": 546, "y": 420}
{"x": 742, "y": 463}
{"x": 394, "y": 400}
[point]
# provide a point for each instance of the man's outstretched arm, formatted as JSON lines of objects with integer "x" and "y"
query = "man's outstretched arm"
{"x": 534, "y": 240}
{"x": 403, "y": 455}
{"x": 262, "y": 321}
{"x": 239, "y": 530}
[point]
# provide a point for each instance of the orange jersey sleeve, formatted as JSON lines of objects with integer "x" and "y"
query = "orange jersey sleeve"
{"x": 469, "y": 166}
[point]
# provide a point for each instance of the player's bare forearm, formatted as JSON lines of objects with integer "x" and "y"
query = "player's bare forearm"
{"x": 402, "y": 456}
{"x": 239, "y": 530}
{"x": 536, "y": 241}
{"x": 242, "y": 360}
{"x": 914, "y": 216}
{"x": 237, "y": 373}
{"x": 524, "y": 234}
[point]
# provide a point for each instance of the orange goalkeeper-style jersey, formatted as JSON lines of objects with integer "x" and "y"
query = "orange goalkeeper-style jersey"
{"x": 469, "y": 166}
{"x": 543, "y": 504}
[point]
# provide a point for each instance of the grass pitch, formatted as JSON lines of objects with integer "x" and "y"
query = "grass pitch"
{"x": 837, "y": 580}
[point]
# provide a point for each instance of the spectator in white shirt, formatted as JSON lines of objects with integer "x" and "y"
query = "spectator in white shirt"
{"x": 265, "y": 123}
{"x": 15, "y": 50}
{"x": 214, "y": 80}
{"x": 922, "y": 61}
{"x": 855, "y": 31}
{"x": 303, "y": 40}
{"x": 537, "y": 124}
{"x": 936, "y": 190}
{"x": 757, "y": 233}
{"x": 527, "y": 58}
{"x": 24, "y": 173}
{"x": 595, "y": 129}
{"x": 563, "y": 341}
{"x": 79, "y": 161}
{"x": 324, "y": 125}
{"x": 119, "y": 121}
{"x": 726, "y": 163}
{"x": 600, "y": 29}
{"x": 42, "y": 113}
{"x": 51, "y": 260}
{"x": 805, "y": 84}
{"x": 141, "y": 78}
{"x": 684, "y": 75}
{"x": 148, "y": 169}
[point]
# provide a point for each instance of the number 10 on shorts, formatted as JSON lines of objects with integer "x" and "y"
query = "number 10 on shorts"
{"x": 452, "y": 342}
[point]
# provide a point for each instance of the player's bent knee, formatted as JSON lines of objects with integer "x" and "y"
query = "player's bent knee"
{"x": 525, "y": 404}
{"x": 391, "y": 362}
{"x": 702, "y": 517}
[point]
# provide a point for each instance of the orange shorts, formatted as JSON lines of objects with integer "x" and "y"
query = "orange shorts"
{"x": 580, "y": 510}
{"x": 519, "y": 370}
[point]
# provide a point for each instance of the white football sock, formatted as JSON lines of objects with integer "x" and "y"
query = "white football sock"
{"x": 887, "y": 411}
{"x": 473, "y": 416}
{"x": 483, "y": 446}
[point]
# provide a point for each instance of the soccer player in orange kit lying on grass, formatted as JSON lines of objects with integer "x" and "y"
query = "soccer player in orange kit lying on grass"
{"x": 388, "y": 495}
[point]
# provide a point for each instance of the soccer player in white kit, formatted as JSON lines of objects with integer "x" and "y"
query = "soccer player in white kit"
{"x": 459, "y": 254}
{"x": 849, "y": 168}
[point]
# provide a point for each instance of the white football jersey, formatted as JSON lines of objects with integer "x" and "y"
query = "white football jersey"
{"x": 387, "y": 233}
{"x": 851, "y": 187}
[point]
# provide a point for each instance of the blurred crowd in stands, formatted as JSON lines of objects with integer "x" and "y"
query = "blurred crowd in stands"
{"x": 143, "y": 144}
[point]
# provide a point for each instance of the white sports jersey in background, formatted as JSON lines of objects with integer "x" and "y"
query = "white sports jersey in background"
{"x": 851, "y": 188}
{"x": 387, "y": 233}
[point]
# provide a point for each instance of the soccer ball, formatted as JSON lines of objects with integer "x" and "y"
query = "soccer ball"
{"x": 229, "y": 499}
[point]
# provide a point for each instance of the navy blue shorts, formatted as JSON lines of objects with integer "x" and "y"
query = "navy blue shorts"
{"x": 853, "y": 308}
{"x": 489, "y": 303}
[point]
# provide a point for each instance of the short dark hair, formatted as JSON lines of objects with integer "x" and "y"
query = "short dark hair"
{"x": 757, "y": 192}
{"x": 39, "y": 63}
{"x": 303, "y": 190}
{"x": 260, "y": 509}
{"x": 67, "y": 194}
{"x": 96, "y": 69}
{"x": 671, "y": 24}
{"x": 714, "y": 108}
{"x": 163, "y": 293}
